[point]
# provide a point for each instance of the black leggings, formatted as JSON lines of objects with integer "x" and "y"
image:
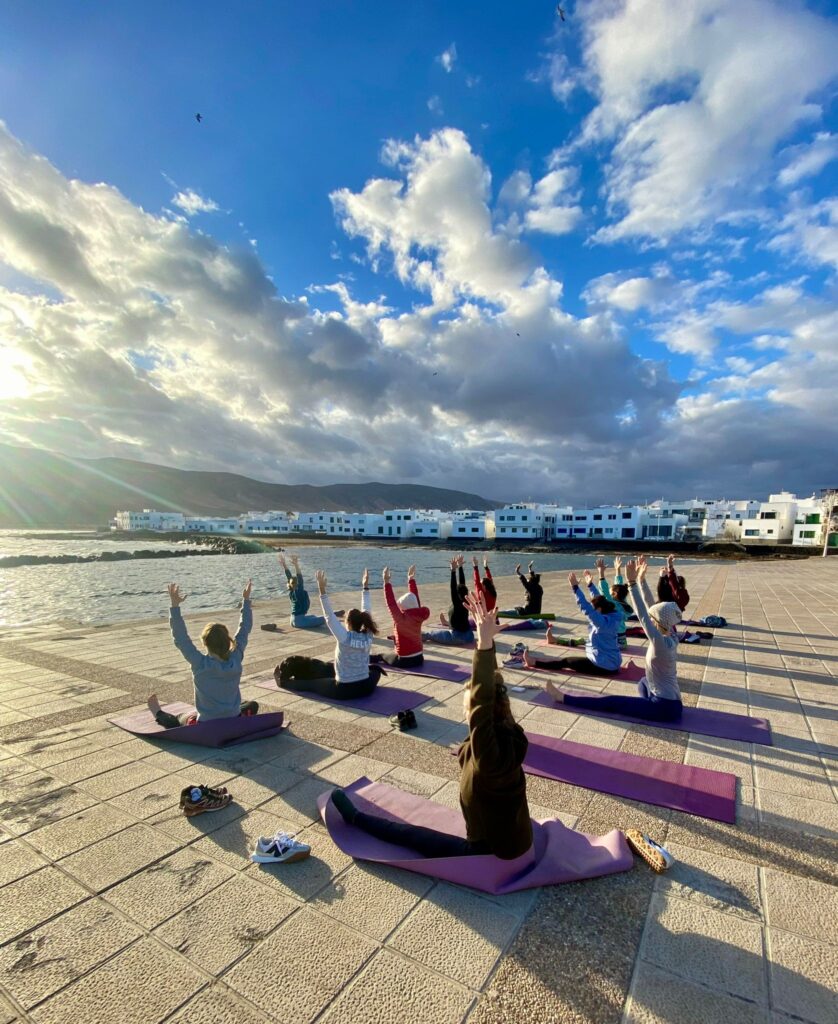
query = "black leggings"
{"x": 408, "y": 661}
{"x": 574, "y": 662}
{"x": 652, "y": 708}
{"x": 426, "y": 841}
{"x": 311, "y": 675}
{"x": 169, "y": 721}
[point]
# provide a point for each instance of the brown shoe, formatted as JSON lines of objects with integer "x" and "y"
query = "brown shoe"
{"x": 198, "y": 799}
{"x": 655, "y": 855}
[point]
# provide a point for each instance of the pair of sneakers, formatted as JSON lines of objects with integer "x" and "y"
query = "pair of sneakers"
{"x": 279, "y": 849}
{"x": 200, "y": 799}
{"x": 516, "y": 655}
{"x": 404, "y": 720}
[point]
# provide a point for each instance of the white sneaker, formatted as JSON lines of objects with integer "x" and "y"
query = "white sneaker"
{"x": 279, "y": 849}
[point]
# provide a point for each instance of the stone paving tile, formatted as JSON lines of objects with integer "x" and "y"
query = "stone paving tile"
{"x": 217, "y": 1006}
{"x": 35, "y": 898}
{"x": 658, "y": 997}
{"x": 110, "y": 860}
{"x": 16, "y": 860}
{"x": 801, "y": 905}
{"x": 723, "y": 951}
{"x": 713, "y": 882}
{"x": 37, "y": 800}
{"x": 40, "y": 963}
{"x": 163, "y": 889}
{"x": 220, "y": 928}
{"x": 306, "y": 878}
{"x": 120, "y": 780}
{"x": 141, "y": 985}
{"x": 308, "y": 961}
{"x": 404, "y": 992}
{"x": 75, "y": 832}
{"x": 804, "y": 977}
{"x": 815, "y": 817}
{"x": 476, "y": 933}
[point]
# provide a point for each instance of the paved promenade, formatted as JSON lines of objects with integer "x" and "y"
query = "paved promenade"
{"x": 115, "y": 908}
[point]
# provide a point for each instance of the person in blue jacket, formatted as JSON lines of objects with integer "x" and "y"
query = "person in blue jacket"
{"x": 298, "y": 596}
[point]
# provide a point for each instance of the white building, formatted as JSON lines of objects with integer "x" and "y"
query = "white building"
{"x": 610, "y": 522}
{"x": 273, "y": 522}
{"x": 467, "y": 524}
{"x": 775, "y": 521}
{"x": 211, "y": 524}
{"x": 524, "y": 521}
{"x": 149, "y": 519}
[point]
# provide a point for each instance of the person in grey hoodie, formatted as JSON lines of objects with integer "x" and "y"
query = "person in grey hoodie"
{"x": 216, "y": 674}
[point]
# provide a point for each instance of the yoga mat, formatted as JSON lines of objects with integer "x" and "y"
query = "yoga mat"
{"x": 384, "y": 700}
{"x": 523, "y": 627}
{"x": 699, "y": 791}
{"x": 218, "y": 732}
{"x": 630, "y": 650}
{"x": 629, "y": 673}
{"x": 720, "y": 724}
{"x": 435, "y": 670}
{"x": 541, "y": 615}
{"x": 558, "y": 854}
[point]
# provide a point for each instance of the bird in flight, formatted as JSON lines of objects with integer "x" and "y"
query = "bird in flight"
{"x": 198, "y": 118}
{"x": 560, "y": 12}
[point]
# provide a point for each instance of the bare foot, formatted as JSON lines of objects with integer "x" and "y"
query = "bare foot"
{"x": 153, "y": 704}
{"x": 443, "y": 619}
{"x": 548, "y": 636}
{"x": 554, "y": 692}
{"x": 529, "y": 661}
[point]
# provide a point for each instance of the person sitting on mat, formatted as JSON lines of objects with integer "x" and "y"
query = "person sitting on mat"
{"x": 493, "y": 789}
{"x": 672, "y": 587}
{"x": 217, "y": 674}
{"x": 458, "y": 632}
{"x": 616, "y": 595}
{"x": 602, "y": 652}
{"x": 486, "y": 586}
{"x": 660, "y": 695}
{"x": 298, "y": 596}
{"x": 408, "y": 614}
{"x": 535, "y": 593}
{"x": 350, "y": 675}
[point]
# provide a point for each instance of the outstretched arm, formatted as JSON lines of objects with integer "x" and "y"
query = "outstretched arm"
{"x": 390, "y": 598}
{"x": 584, "y": 604}
{"x": 639, "y": 605}
{"x": 245, "y": 620}
{"x": 180, "y": 634}
{"x": 411, "y": 583}
{"x": 336, "y": 627}
{"x": 489, "y": 756}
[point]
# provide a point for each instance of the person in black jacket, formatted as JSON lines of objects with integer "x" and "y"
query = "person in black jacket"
{"x": 459, "y": 631}
{"x": 493, "y": 788}
{"x": 535, "y": 592}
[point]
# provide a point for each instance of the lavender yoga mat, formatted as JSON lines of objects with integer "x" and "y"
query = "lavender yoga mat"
{"x": 629, "y": 673}
{"x": 558, "y": 854}
{"x": 703, "y": 721}
{"x": 630, "y": 650}
{"x": 700, "y": 791}
{"x": 436, "y": 670}
{"x": 384, "y": 700}
{"x": 218, "y": 732}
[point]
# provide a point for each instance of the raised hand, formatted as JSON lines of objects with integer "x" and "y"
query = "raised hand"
{"x": 322, "y": 582}
{"x": 485, "y": 562}
{"x": 175, "y": 595}
{"x": 295, "y": 559}
{"x": 530, "y": 565}
{"x": 487, "y": 624}
{"x": 670, "y": 563}
{"x": 518, "y": 569}
{"x": 247, "y": 591}
{"x": 634, "y": 571}
{"x": 385, "y": 574}
{"x": 600, "y": 564}
{"x": 573, "y": 579}
{"x": 618, "y": 565}
{"x": 454, "y": 563}
{"x": 282, "y": 561}
{"x": 589, "y": 579}
{"x": 365, "y": 579}
{"x": 411, "y": 571}
{"x": 474, "y": 561}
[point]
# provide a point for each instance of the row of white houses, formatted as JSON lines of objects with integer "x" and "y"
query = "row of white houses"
{"x": 783, "y": 519}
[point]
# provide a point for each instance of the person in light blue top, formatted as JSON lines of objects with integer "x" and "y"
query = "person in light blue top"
{"x": 217, "y": 672}
{"x": 602, "y": 650}
{"x": 298, "y": 596}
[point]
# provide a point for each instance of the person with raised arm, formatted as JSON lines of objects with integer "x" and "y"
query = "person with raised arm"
{"x": 659, "y": 697}
{"x": 408, "y": 614}
{"x": 298, "y": 596}
{"x": 493, "y": 788}
{"x": 602, "y": 652}
{"x": 535, "y": 593}
{"x": 216, "y": 671}
{"x": 458, "y": 631}
{"x": 485, "y": 586}
{"x": 350, "y": 675}
{"x": 671, "y": 586}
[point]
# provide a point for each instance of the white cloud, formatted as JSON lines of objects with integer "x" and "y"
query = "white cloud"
{"x": 696, "y": 97}
{"x": 812, "y": 232}
{"x": 191, "y": 202}
{"x": 435, "y": 106}
{"x": 809, "y": 160}
{"x": 448, "y": 58}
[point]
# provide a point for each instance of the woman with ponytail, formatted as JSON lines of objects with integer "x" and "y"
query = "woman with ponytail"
{"x": 350, "y": 675}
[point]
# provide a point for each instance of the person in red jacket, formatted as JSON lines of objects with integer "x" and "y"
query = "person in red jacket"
{"x": 486, "y": 586}
{"x": 672, "y": 587}
{"x": 408, "y": 615}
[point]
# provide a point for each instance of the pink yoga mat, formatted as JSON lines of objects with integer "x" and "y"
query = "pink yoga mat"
{"x": 384, "y": 700}
{"x": 628, "y": 673}
{"x": 218, "y": 732}
{"x": 558, "y": 853}
{"x": 700, "y": 791}
{"x": 703, "y": 721}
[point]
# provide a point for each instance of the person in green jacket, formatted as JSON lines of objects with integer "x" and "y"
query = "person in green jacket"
{"x": 493, "y": 788}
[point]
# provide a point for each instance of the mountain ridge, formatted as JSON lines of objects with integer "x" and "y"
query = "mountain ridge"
{"x": 39, "y": 488}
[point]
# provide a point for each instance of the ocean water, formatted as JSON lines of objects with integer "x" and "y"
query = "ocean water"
{"x": 103, "y": 592}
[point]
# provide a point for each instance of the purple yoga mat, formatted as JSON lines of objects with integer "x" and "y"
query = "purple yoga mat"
{"x": 558, "y": 854}
{"x": 436, "y": 670}
{"x": 629, "y": 673}
{"x": 700, "y": 791}
{"x": 629, "y": 651}
{"x": 218, "y": 732}
{"x": 703, "y": 721}
{"x": 384, "y": 700}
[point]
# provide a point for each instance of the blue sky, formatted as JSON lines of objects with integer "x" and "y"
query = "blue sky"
{"x": 453, "y": 243}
